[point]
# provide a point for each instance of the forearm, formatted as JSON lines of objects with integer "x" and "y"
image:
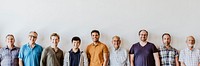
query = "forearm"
{"x": 182, "y": 64}
{"x": 20, "y": 62}
{"x": 105, "y": 63}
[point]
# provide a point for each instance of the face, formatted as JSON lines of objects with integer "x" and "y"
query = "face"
{"x": 95, "y": 37}
{"x": 166, "y": 39}
{"x": 10, "y": 40}
{"x": 116, "y": 42}
{"x": 32, "y": 37}
{"x": 143, "y": 36}
{"x": 190, "y": 41}
{"x": 55, "y": 40}
{"x": 76, "y": 44}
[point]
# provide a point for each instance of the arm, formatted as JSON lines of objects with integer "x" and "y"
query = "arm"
{"x": 199, "y": 64}
{"x": 132, "y": 59}
{"x": 66, "y": 59}
{"x": 176, "y": 60}
{"x": 85, "y": 59}
{"x": 20, "y": 62}
{"x": 105, "y": 56}
{"x": 157, "y": 60}
{"x": 43, "y": 58}
{"x": 183, "y": 64}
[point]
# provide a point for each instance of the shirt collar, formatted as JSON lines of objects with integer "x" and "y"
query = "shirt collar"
{"x": 170, "y": 47}
{"x": 71, "y": 51}
{"x": 190, "y": 50}
{"x": 116, "y": 49}
{"x": 13, "y": 47}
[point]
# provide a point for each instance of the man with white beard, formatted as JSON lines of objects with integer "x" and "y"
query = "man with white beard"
{"x": 190, "y": 56}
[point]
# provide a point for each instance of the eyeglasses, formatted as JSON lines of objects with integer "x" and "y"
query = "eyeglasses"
{"x": 32, "y": 36}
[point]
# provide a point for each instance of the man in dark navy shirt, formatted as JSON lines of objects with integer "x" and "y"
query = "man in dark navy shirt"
{"x": 144, "y": 53}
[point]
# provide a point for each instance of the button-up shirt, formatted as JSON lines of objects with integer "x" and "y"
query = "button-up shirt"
{"x": 167, "y": 56}
{"x": 30, "y": 56}
{"x": 9, "y": 57}
{"x": 95, "y": 54}
{"x": 190, "y": 57}
{"x": 118, "y": 57}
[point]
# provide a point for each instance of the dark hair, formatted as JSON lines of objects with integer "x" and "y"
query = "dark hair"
{"x": 55, "y": 34}
{"x": 166, "y": 34}
{"x": 76, "y": 39}
{"x": 95, "y": 31}
{"x": 143, "y": 30}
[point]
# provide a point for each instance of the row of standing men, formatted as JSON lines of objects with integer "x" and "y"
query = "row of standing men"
{"x": 142, "y": 53}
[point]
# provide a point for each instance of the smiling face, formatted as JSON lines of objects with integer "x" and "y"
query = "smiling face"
{"x": 32, "y": 37}
{"x": 143, "y": 36}
{"x": 10, "y": 40}
{"x": 116, "y": 42}
{"x": 55, "y": 40}
{"x": 95, "y": 37}
{"x": 76, "y": 44}
{"x": 190, "y": 41}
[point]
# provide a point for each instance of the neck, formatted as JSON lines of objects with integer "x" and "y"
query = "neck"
{"x": 116, "y": 48}
{"x": 75, "y": 49}
{"x": 167, "y": 46}
{"x": 96, "y": 42}
{"x": 10, "y": 46}
{"x": 32, "y": 44}
{"x": 191, "y": 47}
{"x": 54, "y": 46}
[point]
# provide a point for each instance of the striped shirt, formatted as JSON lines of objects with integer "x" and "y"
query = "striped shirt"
{"x": 167, "y": 56}
{"x": 190, "y": 57}
{"x": 119, "y": 57}
{"x": 9, "y": 57}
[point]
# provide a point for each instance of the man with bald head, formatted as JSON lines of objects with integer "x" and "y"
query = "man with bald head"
{"x": 190, "y": 56}
{"x": 118, "y": 55}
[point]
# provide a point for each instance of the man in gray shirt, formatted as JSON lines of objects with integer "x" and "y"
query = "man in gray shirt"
{"x": 9, "y": 54}
{"x": 52, "y": 55}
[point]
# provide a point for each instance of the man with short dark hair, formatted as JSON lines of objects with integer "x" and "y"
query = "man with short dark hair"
{"x": 97, "y": 52}
{"x": 168, "y": 54}
{"x": 75, "y": 57}
{"x": 144, "y": 53}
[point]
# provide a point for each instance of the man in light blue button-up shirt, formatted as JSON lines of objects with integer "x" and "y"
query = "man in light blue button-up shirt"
{"x": 118, "y": 55}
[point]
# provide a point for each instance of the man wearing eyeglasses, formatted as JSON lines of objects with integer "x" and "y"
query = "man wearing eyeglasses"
{"x": 30, "y": 53}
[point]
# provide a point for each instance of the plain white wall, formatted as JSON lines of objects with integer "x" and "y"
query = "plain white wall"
{"x": 125, "y": 18}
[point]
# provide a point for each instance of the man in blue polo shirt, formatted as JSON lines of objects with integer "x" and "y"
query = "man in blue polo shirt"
{"x": 30, "y": 53}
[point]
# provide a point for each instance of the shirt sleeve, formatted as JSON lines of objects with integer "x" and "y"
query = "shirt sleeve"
{"x": 155, "y": 49}
{"x": 43, "y": 58}
{"x": 105, "y": 49}
{"x": 21, "y": 53}
{"x": 131, "y": 50}
{"x": 181, "y": 56}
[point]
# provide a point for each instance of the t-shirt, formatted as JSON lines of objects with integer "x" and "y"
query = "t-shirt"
{"x": 143, "y": 55}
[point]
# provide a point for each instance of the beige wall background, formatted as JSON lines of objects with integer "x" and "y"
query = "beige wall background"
{"x": 125, "y": 18}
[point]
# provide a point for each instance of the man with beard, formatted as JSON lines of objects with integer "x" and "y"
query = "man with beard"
{"x": 190, "y": 56}
{"x": 144, "y": 53}
{"x": 97, "y": 52}
{"x": 168, "y": 54}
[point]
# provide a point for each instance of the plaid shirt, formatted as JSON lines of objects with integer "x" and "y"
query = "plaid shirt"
{"x": 167, "y": 56}
{"x": 190, "y": 57}
{"x": 9, "y": 57}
